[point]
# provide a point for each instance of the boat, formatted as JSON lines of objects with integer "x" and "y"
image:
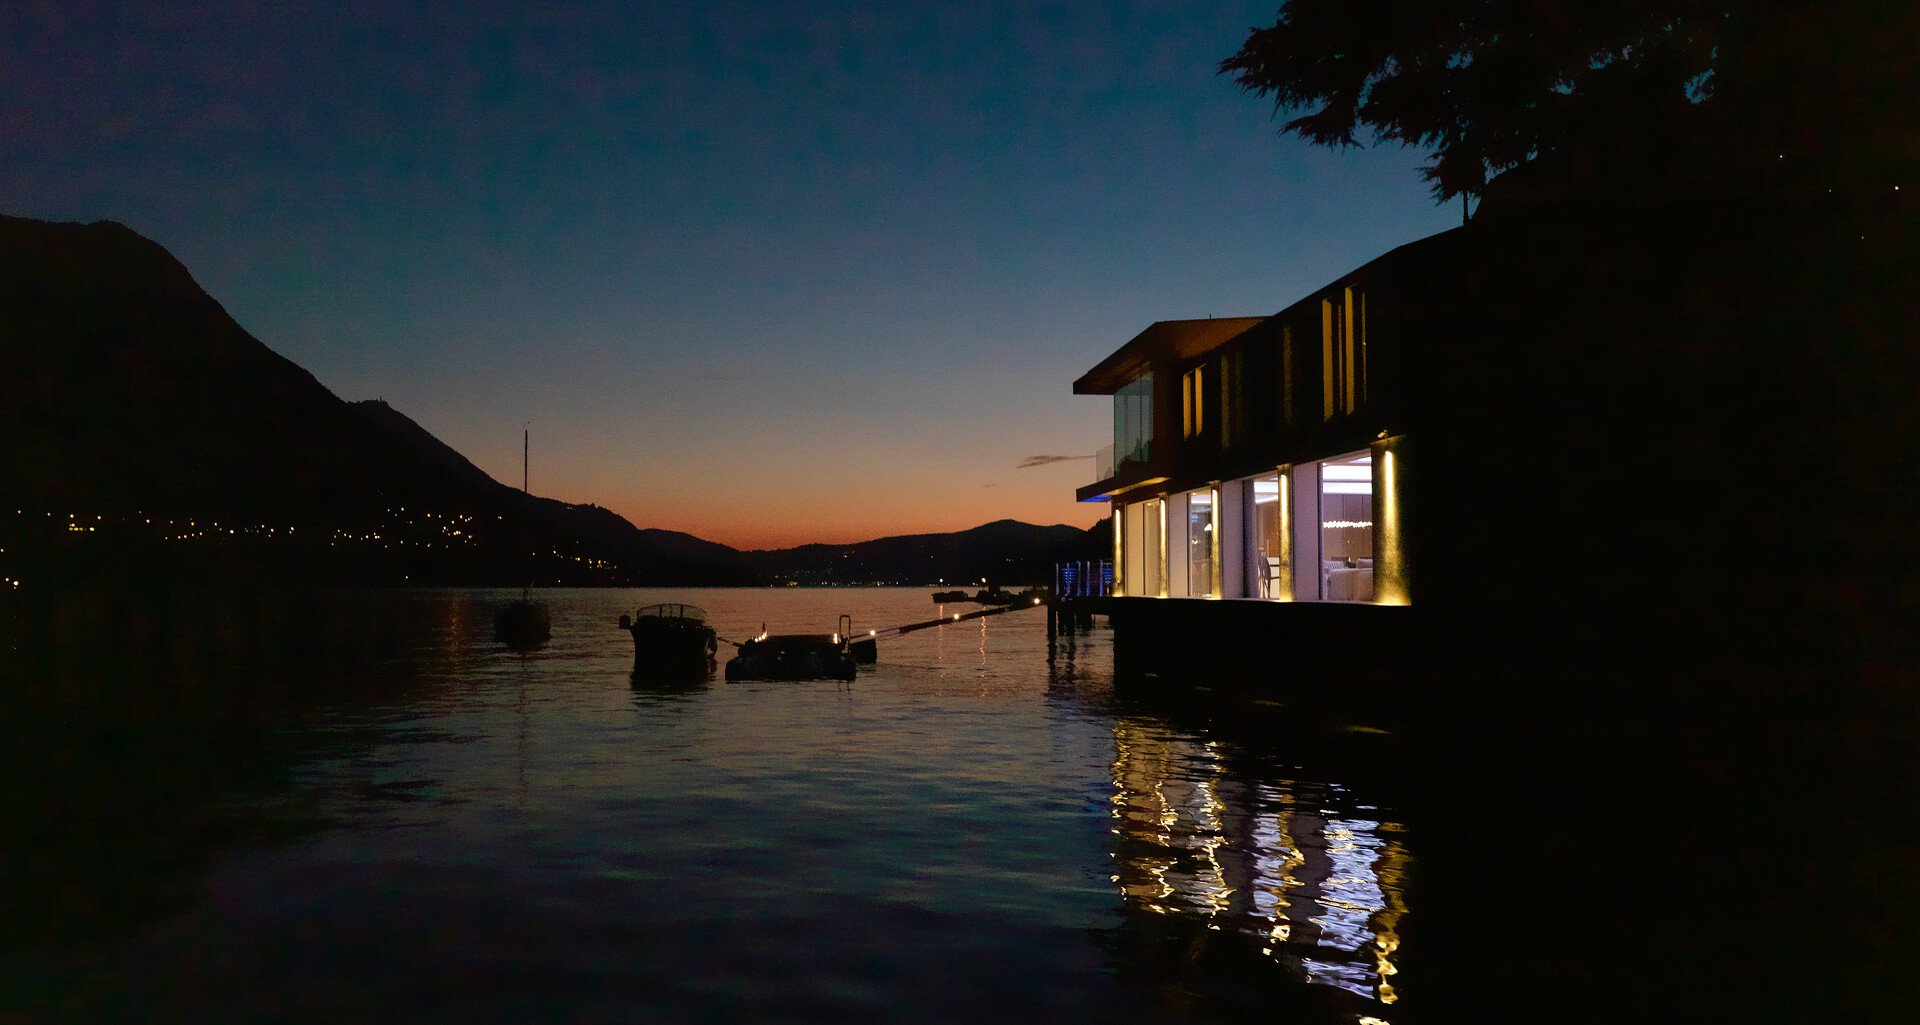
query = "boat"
{"x": 523, "y": 624}
{"x": 943, "y": 597}
{"x": 792, "y": 657}
{"x": 671, "y": 636}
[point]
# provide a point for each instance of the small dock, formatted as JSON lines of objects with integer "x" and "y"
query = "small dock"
{"x": 957, "y": 617}
{"x": 1080, "y": 591}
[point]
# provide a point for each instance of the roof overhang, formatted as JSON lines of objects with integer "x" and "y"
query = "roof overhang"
{"x": 1163, "y": 341}
{"x": 1108, "y": 490}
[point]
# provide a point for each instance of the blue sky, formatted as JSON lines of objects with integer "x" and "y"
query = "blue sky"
{"x": 763, "y": 272}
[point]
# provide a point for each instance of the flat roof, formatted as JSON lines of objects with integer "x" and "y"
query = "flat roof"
{"x": 1176, "y": 340}
{"x": 1162, "y": 340}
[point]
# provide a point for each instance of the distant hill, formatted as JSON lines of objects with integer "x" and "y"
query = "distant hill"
{"x": 1002, "y": 552}
{"x": 128, "y": 395}
{"x": 656, "y": 556}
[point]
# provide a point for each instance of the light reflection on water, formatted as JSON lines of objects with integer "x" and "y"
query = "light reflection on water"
{"x": 975, "y": 829}
{"x": 1279, "y": 860}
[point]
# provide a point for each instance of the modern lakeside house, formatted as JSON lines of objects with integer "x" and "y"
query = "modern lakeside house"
{"x": 1262, "y": 461}
{"x": 1254, "y": 458}
{"x": 1558, "y": 441}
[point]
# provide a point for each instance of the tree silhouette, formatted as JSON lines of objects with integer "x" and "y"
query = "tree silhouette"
{"x": 1824, "y": 89}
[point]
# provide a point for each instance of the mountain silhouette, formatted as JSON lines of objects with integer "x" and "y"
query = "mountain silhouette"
{"x": 662, "y": 556}
{"x": 127, "y": 386}
{"x": 127, "y": 391}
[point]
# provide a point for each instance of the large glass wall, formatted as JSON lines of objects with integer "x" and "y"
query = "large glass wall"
{"x": 1346, "y": 527}
{"x": 1133, "y": 421}
{"x": 1200, "y": 528}
{"x": 1266, "y": 547}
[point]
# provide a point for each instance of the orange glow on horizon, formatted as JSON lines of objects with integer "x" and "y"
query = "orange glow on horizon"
{"x": 748, "y": 534}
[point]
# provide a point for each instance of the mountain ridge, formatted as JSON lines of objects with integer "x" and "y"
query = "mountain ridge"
{"x": 132, "y": 392}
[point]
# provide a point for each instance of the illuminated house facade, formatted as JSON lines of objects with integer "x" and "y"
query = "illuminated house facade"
{"x": 1262, "y": 459}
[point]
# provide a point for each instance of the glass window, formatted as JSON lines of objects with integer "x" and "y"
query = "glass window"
{"x": 1346, "y": 527}
{"x": 1289, "y": 377}
{"x": 1133, "y": 421}
{"x": 1200, "y": 544}
{"x": 1193, "y": 402}
{"x": 1343, "y": 351}
{"x": 1266, "y": 520}
{"x": 1233, "y": 415}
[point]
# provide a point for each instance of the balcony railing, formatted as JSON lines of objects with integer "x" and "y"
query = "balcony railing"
{"x": 1107, "y": 463}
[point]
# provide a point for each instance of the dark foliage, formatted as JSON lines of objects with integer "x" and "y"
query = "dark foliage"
{"x": 1754, "y": 89}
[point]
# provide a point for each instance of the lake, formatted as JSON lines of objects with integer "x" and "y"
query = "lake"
{"x": 981, "y": 827}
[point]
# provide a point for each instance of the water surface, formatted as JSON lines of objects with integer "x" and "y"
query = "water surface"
{"x": 977, "y": 828}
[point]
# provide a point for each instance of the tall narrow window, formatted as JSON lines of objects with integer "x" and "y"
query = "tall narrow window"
{"x": 1346, "y": 350}
{"x": 1233, "y": 408}
{"x": 1343, "y": 350}
{"x": 1226, "y": 402}
{"x": 1153, "y": 553}
{"x": 1288, "y": 376}
{"x": 1193, "y": 402}
{"x": 1329, "y": 358}
{"x": 1360, "y": 332}
{"x": 1186, "y": 406}
{"x": 1200, "y": 540}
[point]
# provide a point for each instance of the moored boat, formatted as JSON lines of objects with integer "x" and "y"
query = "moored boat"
{"x": 522, "y": 624}
{"x": 671, "y": 635}
{"x": 792, "y": 657}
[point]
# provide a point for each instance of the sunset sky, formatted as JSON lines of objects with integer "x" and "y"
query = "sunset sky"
{"x": 768, "y": 273}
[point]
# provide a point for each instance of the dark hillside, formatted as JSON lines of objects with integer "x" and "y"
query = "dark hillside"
{"x": 128, "y": 387}
{"x": 148, "y": 433}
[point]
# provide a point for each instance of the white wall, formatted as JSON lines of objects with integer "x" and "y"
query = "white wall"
{"x": 1306, "y": 531}
{"x": 1177, "y": 545}
{"x": 1233, "y": 539}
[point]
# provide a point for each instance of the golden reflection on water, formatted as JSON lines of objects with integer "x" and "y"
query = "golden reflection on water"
{"x": 1318, "y": 889}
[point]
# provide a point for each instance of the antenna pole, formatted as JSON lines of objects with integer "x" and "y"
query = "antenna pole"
{"x": 525, "y": 444}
